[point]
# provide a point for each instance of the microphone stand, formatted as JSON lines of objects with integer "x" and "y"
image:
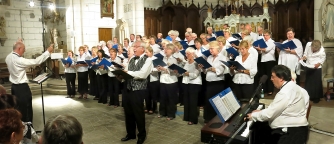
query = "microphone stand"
{"x": 47, "y": 68}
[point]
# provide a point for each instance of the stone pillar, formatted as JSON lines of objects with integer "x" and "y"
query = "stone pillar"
{"x": 120, "y": 9}
{"x": 139, "y": 17}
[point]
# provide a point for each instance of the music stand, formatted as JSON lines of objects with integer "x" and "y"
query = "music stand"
{"x": 39, "y": 80}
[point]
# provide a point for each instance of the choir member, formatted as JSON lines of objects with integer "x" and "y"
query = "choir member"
{"x": 228, "y": 38}
{"x": 82, "y": 70}
{"x": 109, "y": 45}
{"x": 126, "y": 44}
{"x": 210, "y": 33}
{"x": 139, "y": 67}
{"x": 214, "y": 78}
{"x": 153, "y": 45}
{"x": 168, "y": 85}
{"x": 115, "y": 41}
{"x": 102, "y": 78}
{"x": 199, "y": 48}
{"x": 180, "y": 62}
{"x": 242, "y": 27}
{"x": 120, "y": 51}
{"x": 174, "y": 35}
{"x": 243, "y": 79}
{"x": 132, "y": 39}
{"x": 314, "y": 55}
{"x": 144, "y": 39}
{"x": 268, "y": 61}
{"x": 251, "y": 33}
{"x": 192, "y": 83}
{"x": 104, "y": 47}
{"x": 138, "y": 37}
{"x": 70, "y": 74}
{"x": 188, "y": 38}
{"x": 205, "y": 42}
{"x": 222, "y": 45}
{"x": 163, "y": 45}
{"x": 87, "y": 51}
{"x": 251, "y": 49}
{"x": 125, "y": 63}
{"x": 260, "y": 32}
{"x": 290, "y": 57}
{"x": 153, "y": 86}
{"x": 93, "y": 89}
{"x": 193, "y": 36}
{"x": 113, "y": 82}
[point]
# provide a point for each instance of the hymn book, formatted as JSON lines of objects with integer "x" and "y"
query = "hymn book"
{"x": 225, "y": 104}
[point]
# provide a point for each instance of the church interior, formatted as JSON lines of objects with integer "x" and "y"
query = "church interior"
{"x": 70, "y": 24}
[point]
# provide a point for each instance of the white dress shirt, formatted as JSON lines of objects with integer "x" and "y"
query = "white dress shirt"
{"x": 224, "y": 52}
{"x": 83, "y": 57}
{"x": 144, "y": 72}
{"x": 269, "y": 54}
{"x": 154, "y": 76}
{"x": 228, "y": 45}
{"x": 217, "y": 64}
{"x": 314, "y": 58}
{"x": 286, "y": 110}
{"x": 17, "y": 66}
{"x": 180, "y": 56}
{"x": 291, "y": 60}
{"x": 168, "y": 76}
{"x": 178, "y": 39}
{"x": 71, "y": 68}
{"x": 194, "y": 74}
{"x": 106, "y": 50}
{"x": 254, "y": 52}
{"x": 249, "y": 64}
{"x": 112, "y": 67}
{"x": 199, "y": 51}
{"x": 206, "y": 47}
{"x": 260, "y": 36}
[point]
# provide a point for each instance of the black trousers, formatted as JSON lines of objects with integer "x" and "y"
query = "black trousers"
{"x": 92, "y": 83}
{"x": 102, "y": 82}
{"x": 168, "y": 99}
{"x": 313, "y": 84}
{"x": 83, "y": 82}
{"x": 266, "y": 70}
{"x": 262, "y": 133}
{"x": 212, "y": 89}
{"x": 191, "y": 92}
{"x": 113, "y": 86}
{"x": 202, "y": 93}
{"x": 134, "y": 113}
{"x": 180, "y": 89}
{"x": 243, "y": 91}
{"x": 24, "y": 100}
{"x": 70, "y": 83}
{"x": 152, "y": 95}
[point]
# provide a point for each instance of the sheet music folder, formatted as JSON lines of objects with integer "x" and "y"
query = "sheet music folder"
{"x": 122, "y": 73}
{"x": 41, "y": 78}
{"x": 225, "y": 104}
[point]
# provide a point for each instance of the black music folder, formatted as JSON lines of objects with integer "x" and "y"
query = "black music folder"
{"x": 206, "y": 53}
{"x": 159, "y": 62}
{"x": 235, "y": 42}
{"x": 212, "y": 39}
{"x": 201, "y": 60}
{"x": 159, "y": 56}
{"x": 179, "y": 69}
{"x": 219, "y": 33}
{"x": 81, "y": 62}
{"x": 237, "y": 36}
{"x": 232, "y": 51}
{"x": 122, "y": 73}
{"x": 117, "y": 65}
{"x": 233, "y": 63}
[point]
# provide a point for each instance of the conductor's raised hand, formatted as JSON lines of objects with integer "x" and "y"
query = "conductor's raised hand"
{"x": 50, "y": 48}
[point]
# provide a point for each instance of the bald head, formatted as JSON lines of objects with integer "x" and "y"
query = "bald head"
{"x": 17, "y": 45}
{"x": 248, "y": 27}
{"x": 2, "y": 90}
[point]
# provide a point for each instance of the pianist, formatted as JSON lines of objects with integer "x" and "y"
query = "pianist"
{"x": 286, "y": 114}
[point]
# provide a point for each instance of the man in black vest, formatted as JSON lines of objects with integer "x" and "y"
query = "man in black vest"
{"x": 139, "y": 67}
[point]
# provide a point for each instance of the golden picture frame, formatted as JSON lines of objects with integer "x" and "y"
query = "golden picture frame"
{"x": 107, "y": 8}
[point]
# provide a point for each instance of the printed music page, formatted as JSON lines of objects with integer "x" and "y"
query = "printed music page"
{"x": 221, "y": 107}
{"x": 232, "y": 101}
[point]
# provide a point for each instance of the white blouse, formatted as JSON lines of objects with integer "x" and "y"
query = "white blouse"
{"x": 154, "y": 76}
{"x": 194, "y": 74}
{"x": 112, "y": 67}
{"x": 314, "y": 58}
{"x": 249, "y": 64}
{"x": 217, "y": 64}
{"x": 199, "y": 51}
{"x": 82, "y": 58}
{"x": 180, "y": 56}
{"x": 269, "y": 54}
{"x": 71, "y": 68}
{"x": 254, "y": 52}
{"x": 156, "y": 49}
{"x": 291, "y": 60}
{"x": 168, "y": 76}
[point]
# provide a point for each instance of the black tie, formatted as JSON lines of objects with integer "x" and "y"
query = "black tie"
{"x": 136, "y": 57}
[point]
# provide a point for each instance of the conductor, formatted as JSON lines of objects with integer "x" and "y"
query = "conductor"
{"x": 139, "y": 67}
{"x": 18, "y": 77}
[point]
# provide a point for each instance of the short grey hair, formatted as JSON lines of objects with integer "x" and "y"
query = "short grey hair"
{"x": 62, "y": 129}
{"x": 173, "y": 32}
{"x": 191, "y": 50}
{"x": 17, "y": 45}
{"x": 103, "y": 43}
{"x": 110, "y": 42}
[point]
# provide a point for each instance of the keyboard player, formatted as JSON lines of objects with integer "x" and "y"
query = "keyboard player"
{"x": 286, "y": 114}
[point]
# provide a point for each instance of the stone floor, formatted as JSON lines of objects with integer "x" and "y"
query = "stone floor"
{"x": 103, "y": 124}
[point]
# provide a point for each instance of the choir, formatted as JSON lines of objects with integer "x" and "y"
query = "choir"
{"x": 198, "y": 84}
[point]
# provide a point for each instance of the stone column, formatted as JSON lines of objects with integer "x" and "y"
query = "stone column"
{"x": 139, "y": 17}
{"x": 120, "y": 9}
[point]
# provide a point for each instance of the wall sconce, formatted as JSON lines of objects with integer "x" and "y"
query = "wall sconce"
{"x": 3, "y": 40}
{"x": 3, "y": 36}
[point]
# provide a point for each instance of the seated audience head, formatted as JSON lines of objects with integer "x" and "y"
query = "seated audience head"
{"x": 279, "y": 75}
{"x": 7, "y": 101}
{"x": 62, "y": 129}
{"x": 11, "y": 127}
